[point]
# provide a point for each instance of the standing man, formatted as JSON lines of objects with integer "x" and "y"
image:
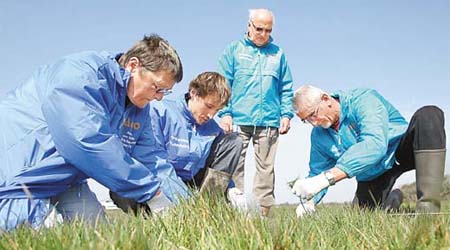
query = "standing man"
{"x": 261, "y": 85}
{"x": 62, "y": 126}
{"x": 358, "y": 133}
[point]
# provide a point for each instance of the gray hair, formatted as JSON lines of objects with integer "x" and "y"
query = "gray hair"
{"x": 306, "y": 96}
{"x": 253, "y": 12}
{"x": 155, "y": 54}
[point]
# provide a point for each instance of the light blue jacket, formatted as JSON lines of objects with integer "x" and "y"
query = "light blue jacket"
{"x": 187, "y": 144}
{"x": 61, "y": 127}
{"x": 260, "y": 81}
{"x": 364, "y": 146}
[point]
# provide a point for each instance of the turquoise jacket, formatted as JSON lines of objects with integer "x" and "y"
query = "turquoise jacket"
{"x": 364, "y": 146}
{"x": 261, "y": 83}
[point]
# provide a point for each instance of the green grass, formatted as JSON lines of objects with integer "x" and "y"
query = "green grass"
{"x": 209, "y": 223}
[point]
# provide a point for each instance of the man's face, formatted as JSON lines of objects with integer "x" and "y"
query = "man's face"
{"x": 319, "y": 114}
{"x": 203, "y": 108}
{"x": 145, "y": 86}
{"x": 259, "y": 29}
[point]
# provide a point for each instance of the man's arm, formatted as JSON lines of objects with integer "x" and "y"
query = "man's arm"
{"x": 286, "y": 92}
{"x": 78, "y": 118}
{"x": 372, "y": 142}
{"x": 226, "y": 68}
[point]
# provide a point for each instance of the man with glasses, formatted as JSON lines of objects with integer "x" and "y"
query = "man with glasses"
{"x": 358, "y": 133}
{"x": 62, "y": 126}
{"x": 261, "y": 84}
{"x": 191, "y": 140}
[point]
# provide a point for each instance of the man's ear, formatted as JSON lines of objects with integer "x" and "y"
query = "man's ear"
{"x": 132, "y": 64}
{"x": 192, "y": 93}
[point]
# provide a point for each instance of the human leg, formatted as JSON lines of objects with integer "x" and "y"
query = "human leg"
{"x": 238, "y": 177}
{"x": 376, "y": 192}
{"x": 265, "y": 143}
{"x": 79, "y": 202}
{"x": 221, "y": 163}
{"x": 427, "y": 136}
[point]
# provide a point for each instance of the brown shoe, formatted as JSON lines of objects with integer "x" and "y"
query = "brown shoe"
{"x": 265, "y": 211}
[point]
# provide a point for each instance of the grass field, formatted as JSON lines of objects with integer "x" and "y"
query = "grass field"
{"x": 209, "y": 223}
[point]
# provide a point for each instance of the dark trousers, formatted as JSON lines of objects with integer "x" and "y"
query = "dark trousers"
{"x": 425, "y": 131}
{"x": 223, "y": 156}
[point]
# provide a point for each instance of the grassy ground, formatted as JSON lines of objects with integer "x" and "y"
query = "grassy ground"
{"x": 205, "y": 223}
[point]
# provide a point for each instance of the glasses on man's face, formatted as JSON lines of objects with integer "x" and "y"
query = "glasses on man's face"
{"x": 261, "y": 29}
{"x": 312, "y": 115}
{"x": 160, "y": 90}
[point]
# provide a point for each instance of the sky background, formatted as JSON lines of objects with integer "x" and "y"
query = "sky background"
{"x": 400, "y": 48}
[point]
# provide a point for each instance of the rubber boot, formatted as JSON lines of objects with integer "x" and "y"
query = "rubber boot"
{"x": 430, "y": 166}
{"x": 215, "y": 181}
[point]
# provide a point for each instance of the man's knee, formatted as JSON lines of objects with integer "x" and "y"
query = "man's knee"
{"x": 234, "y": 141}
{"x": 429, "y": 123}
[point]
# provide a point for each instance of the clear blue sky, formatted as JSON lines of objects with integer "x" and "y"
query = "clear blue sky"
{"x": 401, "y": 48}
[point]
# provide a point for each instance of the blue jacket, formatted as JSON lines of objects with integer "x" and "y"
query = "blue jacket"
{"x": 364, "y": 146}
{"x": 187, "y": 144}
{"x": 62, "y": 126}
{"x": 260, "y": 81}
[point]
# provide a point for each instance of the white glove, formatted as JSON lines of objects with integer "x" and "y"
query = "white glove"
{"x": 305, "y": 208}
{"x": 237, "y": 199}
{"x": 308, "y": 187}
{"x": 159, "y": 203}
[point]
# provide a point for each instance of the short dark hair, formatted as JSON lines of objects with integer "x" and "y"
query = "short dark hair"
{"x": 211, "y": 83}
{"x": 155, "y": 54}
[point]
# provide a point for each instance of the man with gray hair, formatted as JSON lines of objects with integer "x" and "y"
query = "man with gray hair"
{"x": 62, "y": 126}
{"x": 261, "y": 101}
{"x": 358, "y": 133}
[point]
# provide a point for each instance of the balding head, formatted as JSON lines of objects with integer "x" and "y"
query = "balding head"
{"x": 264, "y": 14}
{"x": 259, "y": 27}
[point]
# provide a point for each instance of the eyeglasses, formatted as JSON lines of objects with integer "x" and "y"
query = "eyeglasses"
{"x": 261, "y": 29}
{"x": 312, "y": 115}
{"x": 160, "y": 90}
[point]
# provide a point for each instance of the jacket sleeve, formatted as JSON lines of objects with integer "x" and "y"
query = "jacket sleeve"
{"x": 318, "y": 163}
{"x": 78, "y": 118}
{"x": 226, "y": 68}
{"x": 154, "y": 156}
{"x": 372, "y": 142}
{"x": 286, "y": 92}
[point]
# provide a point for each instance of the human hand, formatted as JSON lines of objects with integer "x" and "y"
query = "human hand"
{"x": 159, "y": 203}
{"x": 284, "y": 125}
{"x": 308, "y": 187}
{"x": 305, "y": 208}
{"x": 227, "y": 124}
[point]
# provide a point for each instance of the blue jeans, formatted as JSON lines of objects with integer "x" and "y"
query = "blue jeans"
{"x": 77, "y": 202}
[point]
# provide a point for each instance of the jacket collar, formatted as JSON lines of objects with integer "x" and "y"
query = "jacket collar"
{"x": 183, "y": 102}
{"x": 124, "y": 74}
{"x": 343, "y": 102}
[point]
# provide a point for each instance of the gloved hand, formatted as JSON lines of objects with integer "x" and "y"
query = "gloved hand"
{"x": 308, "y": 187}
{"x": 159, "y": 203}
{"x": 237, "y": 199}
{"x": 171, "y": 186}
{"x": 305, "y": 208}
{"x": 171, "y": 190}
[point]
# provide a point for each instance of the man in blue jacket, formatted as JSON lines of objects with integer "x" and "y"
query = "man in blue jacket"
{"x": 191, "y": 140}
{"x": 358, "y": 133}
{"x": 63, "y": 126}
{"x": 261, "y": 100}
